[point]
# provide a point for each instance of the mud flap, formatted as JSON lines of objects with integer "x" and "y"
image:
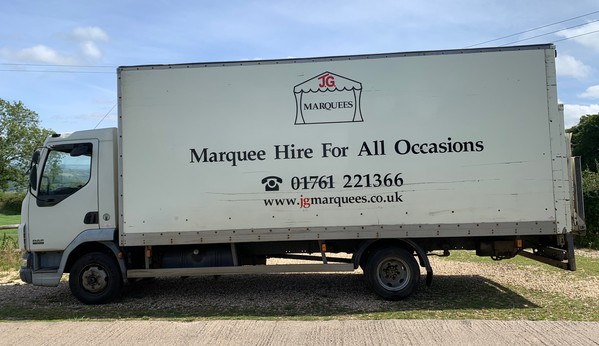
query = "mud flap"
{"x": 571, "y": 257}
{"x": 424, "y": 262}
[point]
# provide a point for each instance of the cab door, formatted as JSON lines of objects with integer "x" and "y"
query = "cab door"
{"x": 66, "y": 200}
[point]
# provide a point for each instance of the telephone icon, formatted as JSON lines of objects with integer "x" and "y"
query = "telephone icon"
{"x": 271, "y": 183}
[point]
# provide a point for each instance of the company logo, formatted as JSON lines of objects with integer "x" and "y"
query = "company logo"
{"x": 327, "y": 80}
{"x": 328, "y": 98}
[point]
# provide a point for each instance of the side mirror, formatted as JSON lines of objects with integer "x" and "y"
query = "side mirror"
{"x": 33, "y": 177}
{"x": 36, "y": 157}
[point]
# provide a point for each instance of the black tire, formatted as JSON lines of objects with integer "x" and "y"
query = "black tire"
{"x": 393, "y": 273}
{"x": 95, "y": 278}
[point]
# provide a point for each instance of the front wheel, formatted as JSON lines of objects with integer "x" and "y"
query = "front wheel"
{"x": 393, "y": 273}
{"x": 95, "y": 278}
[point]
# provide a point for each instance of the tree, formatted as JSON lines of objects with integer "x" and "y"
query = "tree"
{"x": 20, "y": 135}
{"x": 585, "y": 141}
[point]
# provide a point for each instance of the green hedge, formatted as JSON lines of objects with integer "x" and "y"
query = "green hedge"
{"x": 590, "y": 186}
{"x": 10, "y": 202}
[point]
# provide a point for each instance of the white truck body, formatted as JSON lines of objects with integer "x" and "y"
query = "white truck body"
{"x": 437, "y": 150}
{"x": 495, "y": 112}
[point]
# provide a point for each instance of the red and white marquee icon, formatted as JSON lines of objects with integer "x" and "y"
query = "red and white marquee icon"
{"x": 328, "y": 98}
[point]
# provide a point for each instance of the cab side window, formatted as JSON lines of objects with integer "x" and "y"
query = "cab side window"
{"x": 66, "y": 171}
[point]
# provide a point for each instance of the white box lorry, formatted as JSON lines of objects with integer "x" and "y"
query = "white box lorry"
{"x": 216, "y": 167}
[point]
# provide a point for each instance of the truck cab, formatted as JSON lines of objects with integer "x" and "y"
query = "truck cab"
{"x": 71, "y": 203}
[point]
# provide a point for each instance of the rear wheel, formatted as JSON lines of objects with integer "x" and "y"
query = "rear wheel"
{"x": 95, "y": 278}
{"x": 393, "y": 273}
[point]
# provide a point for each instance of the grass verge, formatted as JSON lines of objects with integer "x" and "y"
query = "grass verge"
{"x": 586, "y": 265}
{"x": 10, "y": 256}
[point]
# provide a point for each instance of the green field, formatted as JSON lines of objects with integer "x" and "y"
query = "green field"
{"x": 9, "y": 219}
{"x": 8, "y": 241}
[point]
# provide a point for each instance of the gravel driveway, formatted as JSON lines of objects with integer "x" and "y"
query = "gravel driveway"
{"x": 251, "y": 290}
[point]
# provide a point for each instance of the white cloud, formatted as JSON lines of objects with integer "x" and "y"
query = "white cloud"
{"x": 592, "y": 92}
{"x": 38, "y": 54}
{"x": 86, "y": 36}
{"x": 91, "y": 50}
{"x": 590, "y": 40}
{"x": 90, "y": 33}
{"x": 572, "y": 113}
{"x": 569, "y": 66}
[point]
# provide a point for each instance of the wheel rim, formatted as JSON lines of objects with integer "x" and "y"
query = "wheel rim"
{"x": 393, "y": 274}
{"x": 94, "y": 279}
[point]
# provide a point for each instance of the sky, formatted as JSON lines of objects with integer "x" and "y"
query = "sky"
{"x": 60, "y": 57}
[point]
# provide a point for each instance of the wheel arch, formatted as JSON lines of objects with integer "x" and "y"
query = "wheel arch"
{"x": 96, "y": 240}
{"x": 86, "y": 248}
